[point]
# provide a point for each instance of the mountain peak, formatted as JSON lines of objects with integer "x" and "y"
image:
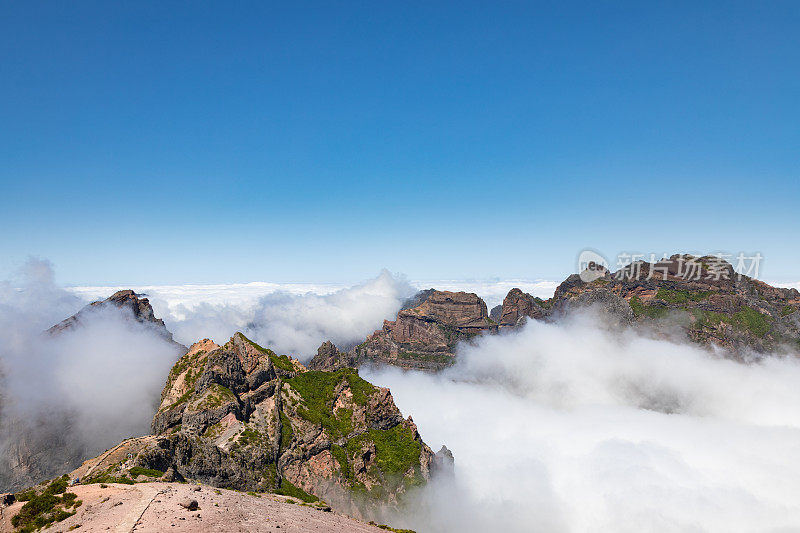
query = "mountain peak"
{"x": 134, "y": 305}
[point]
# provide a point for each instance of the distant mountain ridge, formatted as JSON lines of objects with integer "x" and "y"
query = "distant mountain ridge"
{"x": 710, "y": 302}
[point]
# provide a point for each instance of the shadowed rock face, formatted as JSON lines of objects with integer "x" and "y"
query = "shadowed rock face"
{"x": 139, "y": 309}
{"x": 240, "y": 416}
{"x": 329, "y": 358}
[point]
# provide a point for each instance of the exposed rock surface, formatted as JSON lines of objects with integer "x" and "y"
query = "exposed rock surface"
{"x": 159, "y": 506}
{"x": 426, "y": 331}
{"x": 519, "y": 305}
{"x": 139, "y": 309}
{"x": 703, "y": 296}
{"x": 240, "y": 416}
{"x": 329, "y": 358}
{"x": 712, "y": 303}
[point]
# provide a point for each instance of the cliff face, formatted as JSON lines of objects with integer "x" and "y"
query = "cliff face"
{"x": 240, "y": 416}
{"x": 426, "y": 331}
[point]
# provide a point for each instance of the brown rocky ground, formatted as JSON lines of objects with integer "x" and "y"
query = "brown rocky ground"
{"x": 157, "y": 507}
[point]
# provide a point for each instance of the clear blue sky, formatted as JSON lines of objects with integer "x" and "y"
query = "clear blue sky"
{"x": 171, "y": 142}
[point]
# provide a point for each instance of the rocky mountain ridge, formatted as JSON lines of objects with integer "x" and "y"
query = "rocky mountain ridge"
{"x": 240, "y": 416}
{"x": 702, "y": 296}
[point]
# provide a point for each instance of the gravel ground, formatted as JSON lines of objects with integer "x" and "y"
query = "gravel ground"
{"x": 148, "y": 507}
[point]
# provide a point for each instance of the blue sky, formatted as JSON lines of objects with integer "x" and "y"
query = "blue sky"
{"x": 172, "y": 142}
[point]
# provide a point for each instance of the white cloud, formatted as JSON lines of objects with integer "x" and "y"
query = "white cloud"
{"x": 785, "y": 284}
{"x": 296, "y": 318}
{"x": 573, "y": 427}
{"x": 68, "y": 397}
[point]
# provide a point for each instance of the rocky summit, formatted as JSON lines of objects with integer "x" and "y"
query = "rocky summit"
{"x": 701, "y": 296}
{"x": 128, "y": 302}
{"x": 40, "y": 447}
{"x": 710, "y": 302}
{"x": 240, "y": 416}
{"x": 423, "y": 336}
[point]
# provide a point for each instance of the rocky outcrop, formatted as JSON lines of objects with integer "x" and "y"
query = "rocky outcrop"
{"x": 240, "y": 416}
{"x": 426, "y": 331}
{"x": 518, "y": 306}
{"x": 702, "y": 295}
{"x": 329, "y": 358}
{"x": 136, "y": 308}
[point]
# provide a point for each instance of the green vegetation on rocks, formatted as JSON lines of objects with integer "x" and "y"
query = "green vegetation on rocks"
{"x": 42, "y": 510}
{"x": 215, "y": 396}
{"x": 318, "y": 393}
{"x": 753, "y": 321}
{"x": 640, "y": 309}
{"x": 137, "y": 471}
{"x": 445, "y": 360}
{"x": 286, "y": 432}
{"x": 673, "y": 296}
{"x": 287, "y": 489}
{"x": 282, "y": 362}
{"x": 396, "y": 449}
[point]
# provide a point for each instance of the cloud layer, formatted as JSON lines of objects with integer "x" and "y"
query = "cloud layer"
{"x": 66, "y": 397}
{"x": 295, "y": 318}
{"x": 573, "y": 427}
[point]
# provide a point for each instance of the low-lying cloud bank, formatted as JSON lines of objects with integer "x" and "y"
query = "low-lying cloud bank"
{"x": 295, "y": 318}
{"x": 292, "y": 318}
{"x": 574, "y": 427}
{"x": 69, "y": 396}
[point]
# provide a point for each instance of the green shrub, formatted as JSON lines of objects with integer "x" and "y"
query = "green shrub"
{"x": 137, "y": 471}
{"x": 41, "y": 510}
{"x": 287, "y": 489}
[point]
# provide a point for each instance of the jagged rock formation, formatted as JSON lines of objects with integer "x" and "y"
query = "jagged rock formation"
{"x": 240, "y": 416}
{"x": 426, "y": 330}
{"x": 139, "y": 309}
{"x": 519, "y": 305}
{"x": 329, "y": 358}
{"x": 702, "y": 295}
{"x": 496, "y": 314}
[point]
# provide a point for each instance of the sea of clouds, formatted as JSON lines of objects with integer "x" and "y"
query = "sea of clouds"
{"x": 295, "y": 318}
{"x": 578, "y": 427}
{"x": 574, "y": 426}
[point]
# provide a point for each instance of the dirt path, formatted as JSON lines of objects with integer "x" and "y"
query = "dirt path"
{"x": 153, "y": 507}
